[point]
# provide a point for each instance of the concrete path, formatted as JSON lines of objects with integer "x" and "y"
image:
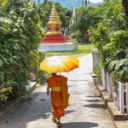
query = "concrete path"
{"x": 85, "y": 110}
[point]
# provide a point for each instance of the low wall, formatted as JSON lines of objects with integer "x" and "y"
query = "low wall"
{"x": 70, "y": 46}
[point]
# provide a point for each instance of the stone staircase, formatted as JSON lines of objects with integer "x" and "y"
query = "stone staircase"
{"x": 68, "y": 35}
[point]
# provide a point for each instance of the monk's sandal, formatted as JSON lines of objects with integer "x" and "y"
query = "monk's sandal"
{"x": 54, "y": 120}
{"x": 58, "y": 123}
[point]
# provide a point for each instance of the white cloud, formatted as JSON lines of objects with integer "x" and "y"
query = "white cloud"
{"x": 96, "y": 1}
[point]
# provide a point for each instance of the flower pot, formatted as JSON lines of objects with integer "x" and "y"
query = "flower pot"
{"x": 32, "y": 76}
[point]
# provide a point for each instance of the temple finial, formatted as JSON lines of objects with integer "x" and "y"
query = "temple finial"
{"x": 53, "y": 4}
{"x": 54, "y": 22}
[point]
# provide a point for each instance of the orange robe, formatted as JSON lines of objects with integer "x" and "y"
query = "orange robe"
{"x": 56, "y": 97}
{"x": 65, "y": 95}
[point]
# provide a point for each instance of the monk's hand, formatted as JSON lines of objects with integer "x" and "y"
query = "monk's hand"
{"x": 48, "y": 92}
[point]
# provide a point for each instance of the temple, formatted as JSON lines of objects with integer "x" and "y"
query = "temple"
{"x": 54, "y": 39}
{"x": 54, "y": 34}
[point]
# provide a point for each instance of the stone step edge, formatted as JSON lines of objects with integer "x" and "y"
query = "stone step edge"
{"x": 93, "y": 75}
{"x": 117, "y": 117}
{"x": 12, "y": 106}
{"x": 121, "y": 124}
{"x": 31, "y": 86}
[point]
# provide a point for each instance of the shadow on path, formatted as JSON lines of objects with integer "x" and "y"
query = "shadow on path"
{"x": 95, "y": 106}
{"x": 79, "y": 125}
{"x": 93, "y": 100}
{"x": 68, "y": 111}
{"x": 95, "y": 96}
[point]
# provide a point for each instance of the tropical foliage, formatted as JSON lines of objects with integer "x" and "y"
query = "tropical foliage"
{"x": 111, "y": 39}
{"x": 77, "y": 35}
{"x": 84, "y": 18}
{"x": 21, "y": 32}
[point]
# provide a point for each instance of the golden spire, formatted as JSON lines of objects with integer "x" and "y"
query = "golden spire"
{"x": 54, "y": 21}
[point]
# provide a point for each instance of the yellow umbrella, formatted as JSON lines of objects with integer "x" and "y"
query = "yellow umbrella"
{"x": 59, "y": 64}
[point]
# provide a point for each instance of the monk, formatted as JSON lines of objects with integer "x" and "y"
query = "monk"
{"x": 57, "y": 105}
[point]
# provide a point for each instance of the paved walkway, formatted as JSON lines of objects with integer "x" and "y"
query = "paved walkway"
{"x": 85, "y": 110}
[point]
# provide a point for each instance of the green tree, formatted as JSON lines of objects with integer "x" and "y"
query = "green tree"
{"x": 84, "y": 18}
{"x": 105, "y": 11}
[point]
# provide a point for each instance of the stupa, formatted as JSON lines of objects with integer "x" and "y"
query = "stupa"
{"x": 54, "y": 39}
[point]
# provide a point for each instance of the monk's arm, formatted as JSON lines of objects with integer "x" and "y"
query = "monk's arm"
{"x": 48, "y": 90}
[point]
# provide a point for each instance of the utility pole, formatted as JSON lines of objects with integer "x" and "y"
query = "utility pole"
{"x": 74, "y": 9}
{"x": 82, "y": 3}
{"x": 86, "y": 2}
{"x": 38, "y": 2}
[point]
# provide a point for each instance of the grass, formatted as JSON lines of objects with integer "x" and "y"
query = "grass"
{"x": 101, "y": 85}
{"x": 83, "y": 49}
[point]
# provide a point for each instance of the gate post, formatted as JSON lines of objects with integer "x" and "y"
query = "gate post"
{"x": 96, "y": 59}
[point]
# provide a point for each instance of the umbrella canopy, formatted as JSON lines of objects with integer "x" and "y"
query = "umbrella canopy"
{"x": 59, "y": 64}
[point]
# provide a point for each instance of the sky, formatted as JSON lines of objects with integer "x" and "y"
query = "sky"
{"x": 96, "y": 1}
{"x": 69, "y": 3}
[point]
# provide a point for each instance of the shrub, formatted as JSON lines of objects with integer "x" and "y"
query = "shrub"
{"x": 21, "y": 33}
